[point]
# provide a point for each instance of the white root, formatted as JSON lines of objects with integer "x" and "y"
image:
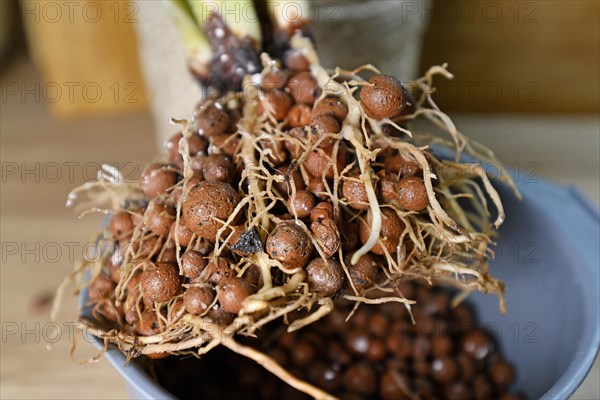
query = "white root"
{"x": 323, "y": 310}
{"x": 271, "y": 365}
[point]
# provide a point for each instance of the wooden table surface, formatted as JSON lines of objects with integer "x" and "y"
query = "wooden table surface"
{"x": 43, "y": 158}
{"x": 51, "y": 157}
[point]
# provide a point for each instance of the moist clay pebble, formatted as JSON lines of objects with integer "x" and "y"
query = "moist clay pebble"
{"x": 157, "y": 179}
{"x": 301, "y": 204}
{"x": 324, "y": 277}
{"x": 353, "y": 189}
{"x": 197, "y": 299}
{"x": 363, "y": 274}
{"x": 232, "y": 293}
{"x": 331, "y": 106}
{"x": 159, "y": 217}
{"x": 412, "y": 195}
{"x": 327, "y": 235}
{"x": 205, "y": 203}
{"x": 289, "y": 244}
{"x": 280, "y": 103}
{"x": 299, "y": 115}
{"x": 322, "y": 126}
{"x": 385, "y": 97}
{"x": 192, "y": 263}
{"x": 149, "y": 324}
{"x": 304, "y": 88}
{"x": 276, "y": 79}
{"x": 213, "y": 121}
{"x": 160, "y": 281}
{"x": 389, "y": 236}
{"x": 121, "y": 225}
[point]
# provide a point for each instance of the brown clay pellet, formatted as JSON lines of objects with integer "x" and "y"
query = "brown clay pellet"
{"x": 375, "y": 355}
{"x": 385, "y": 97}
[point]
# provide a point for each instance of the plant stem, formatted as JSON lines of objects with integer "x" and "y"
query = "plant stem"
{"x": 239, "y": 15}
{"x": 287, "y": 15}
{"x": 196, "y": 43}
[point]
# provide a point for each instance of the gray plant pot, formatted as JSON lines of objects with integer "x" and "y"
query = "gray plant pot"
{"x": 548, "y": 256}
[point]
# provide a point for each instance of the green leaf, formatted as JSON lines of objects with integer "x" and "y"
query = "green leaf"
{"x": 239, "y": 15}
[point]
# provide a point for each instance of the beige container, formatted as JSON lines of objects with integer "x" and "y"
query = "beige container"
{"x": 348, "y": 33}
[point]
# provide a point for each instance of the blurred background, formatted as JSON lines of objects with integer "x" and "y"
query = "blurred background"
{"x": 91, "y": 82}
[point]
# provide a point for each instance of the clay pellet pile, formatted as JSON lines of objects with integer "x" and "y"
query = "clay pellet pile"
{"x": 305, "y": 187}
{"x": 378, "y": 354}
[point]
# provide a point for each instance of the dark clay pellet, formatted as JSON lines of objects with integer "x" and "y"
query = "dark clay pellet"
{"x": 476, "y": 343}
{"x": 360, "y": 378}
{"x": 302, "y": 354}
{"x": 378, "y": 354}
{"x": 444, "y": 370}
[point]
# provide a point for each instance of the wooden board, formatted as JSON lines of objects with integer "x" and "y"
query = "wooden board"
{"x": 87, "y": 53}
{"x": 516, "y": 56}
